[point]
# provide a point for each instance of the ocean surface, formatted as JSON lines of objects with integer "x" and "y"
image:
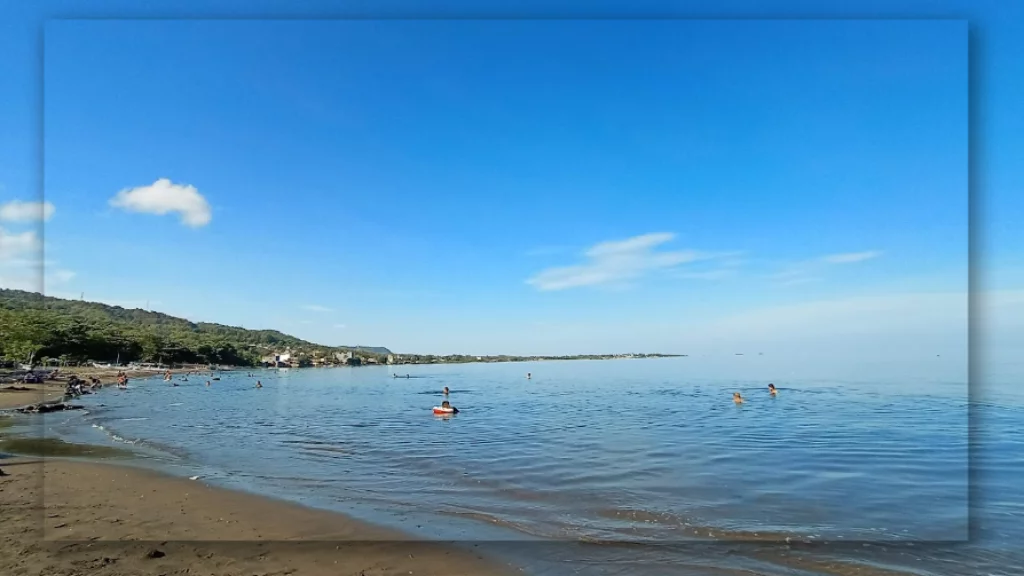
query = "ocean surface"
{"x": 639, "y": 467}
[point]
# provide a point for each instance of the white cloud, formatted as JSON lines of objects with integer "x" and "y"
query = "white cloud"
{"x": 339, "y": 326}
{"x": 19, "y": 211}
{"x": 22, "y": 281}
{"x": 617, "y": 262}
{"x": 317, "y": 308}
{"x": 164, "y": 197}
{"x": 32, "y": 275}
{"x": 851, "y": 257}
{"x": 21, "y": 245}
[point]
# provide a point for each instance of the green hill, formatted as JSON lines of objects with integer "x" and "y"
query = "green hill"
{"x": 73, "y": 330}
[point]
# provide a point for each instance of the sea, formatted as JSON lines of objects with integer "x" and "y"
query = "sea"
{"x": 618, "y": 467}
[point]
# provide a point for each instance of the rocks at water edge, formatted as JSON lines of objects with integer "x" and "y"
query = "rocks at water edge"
{"x": 44, "y": 408}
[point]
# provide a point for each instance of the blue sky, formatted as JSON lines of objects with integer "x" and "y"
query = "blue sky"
{"x": 522, "y": 186}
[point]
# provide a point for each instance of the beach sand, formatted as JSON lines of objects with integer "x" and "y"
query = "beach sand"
{"x": 64, "y": 518}
{"x": 17, "y": 395}
{"x": 12, "y": 395}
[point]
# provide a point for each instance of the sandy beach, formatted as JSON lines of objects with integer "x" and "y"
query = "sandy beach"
{"x": 63, "y": 518}
{"x": 16, "y": 395}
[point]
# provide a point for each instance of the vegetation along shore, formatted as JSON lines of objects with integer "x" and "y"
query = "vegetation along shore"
{"x": 41, "y": 330}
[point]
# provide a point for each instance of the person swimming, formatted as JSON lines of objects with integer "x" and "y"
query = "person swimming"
{"x": 447, "y": 404}
{"x": 207, "y": 382}
{"x": 737, "y": 398}
{"x": 259, "y": 384}
{"x": 445, "y": 391}
{"x": 529, "y": 376}
{"x": 772, "y": 390}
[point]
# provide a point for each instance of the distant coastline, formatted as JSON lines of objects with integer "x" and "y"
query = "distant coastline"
{"x": 464, "y": 359}
{"x": 42, "y": 331}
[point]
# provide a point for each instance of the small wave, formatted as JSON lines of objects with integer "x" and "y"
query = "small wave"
{"x": 115, "y": 437}
{"x": 175, "y": 404}
{"x": 124, "y": 440}
{"x": 496, "y": 520}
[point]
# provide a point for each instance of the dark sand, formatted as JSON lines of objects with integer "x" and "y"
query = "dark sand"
{"x": 64, "y": 518}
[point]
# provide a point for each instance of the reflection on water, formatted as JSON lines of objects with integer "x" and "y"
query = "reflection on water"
{"x": 624, "y": 456}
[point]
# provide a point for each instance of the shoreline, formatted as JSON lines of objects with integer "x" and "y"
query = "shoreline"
{"x": 58, "y": 517}
{"x": 254, "y": 532}
{"x": 19, "y": 395}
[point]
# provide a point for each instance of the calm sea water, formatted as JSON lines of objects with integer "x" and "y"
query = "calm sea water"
{"x": 625, "y": 467}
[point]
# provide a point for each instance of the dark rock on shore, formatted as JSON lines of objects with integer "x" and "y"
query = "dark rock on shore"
{"x": 44, "y": 408}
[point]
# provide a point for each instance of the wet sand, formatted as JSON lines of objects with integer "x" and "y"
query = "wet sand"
{"x": 63, "y": 518}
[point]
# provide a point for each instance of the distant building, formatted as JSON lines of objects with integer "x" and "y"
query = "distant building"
{"x": 343, "y": 357}
{"x": 391, "y": 358}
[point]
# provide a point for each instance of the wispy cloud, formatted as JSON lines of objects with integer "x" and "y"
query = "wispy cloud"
{"x": 718, "y": 274}
{"x": 22, "y": 266}
{"x": 339, "y": 326}
{"x": 20, "y": 211}
{"x": 164, "y": 197}
{"x": 316, "y": 308}
{"x": 33, "y": 276}
{"x": 617, "y": 262}
{"x": 60, "y": 276}
{"x": 851, "y": 257}
{"x": 813, "y": 270}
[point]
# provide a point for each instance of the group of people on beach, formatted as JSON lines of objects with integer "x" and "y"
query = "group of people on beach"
{"x": 738, "y": 398}
{"x": 77, "y": 386}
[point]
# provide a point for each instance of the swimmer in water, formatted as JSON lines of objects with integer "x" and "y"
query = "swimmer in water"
{"x": 737, "y": 398}
{"x": 447, "y": 404}
{"x": 445, "y": 390}
{"x": 529, "y": 376}
{"x": 207, "y": 382}
{"x": 259, "y": 384}
{"x": 772, "y": 390}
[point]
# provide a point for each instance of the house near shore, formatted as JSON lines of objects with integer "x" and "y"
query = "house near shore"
{"x": 343, "y": 357}
{"x": 277, "y": 360}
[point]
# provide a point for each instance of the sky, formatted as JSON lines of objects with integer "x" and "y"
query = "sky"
{"x": 524, "y": 186}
